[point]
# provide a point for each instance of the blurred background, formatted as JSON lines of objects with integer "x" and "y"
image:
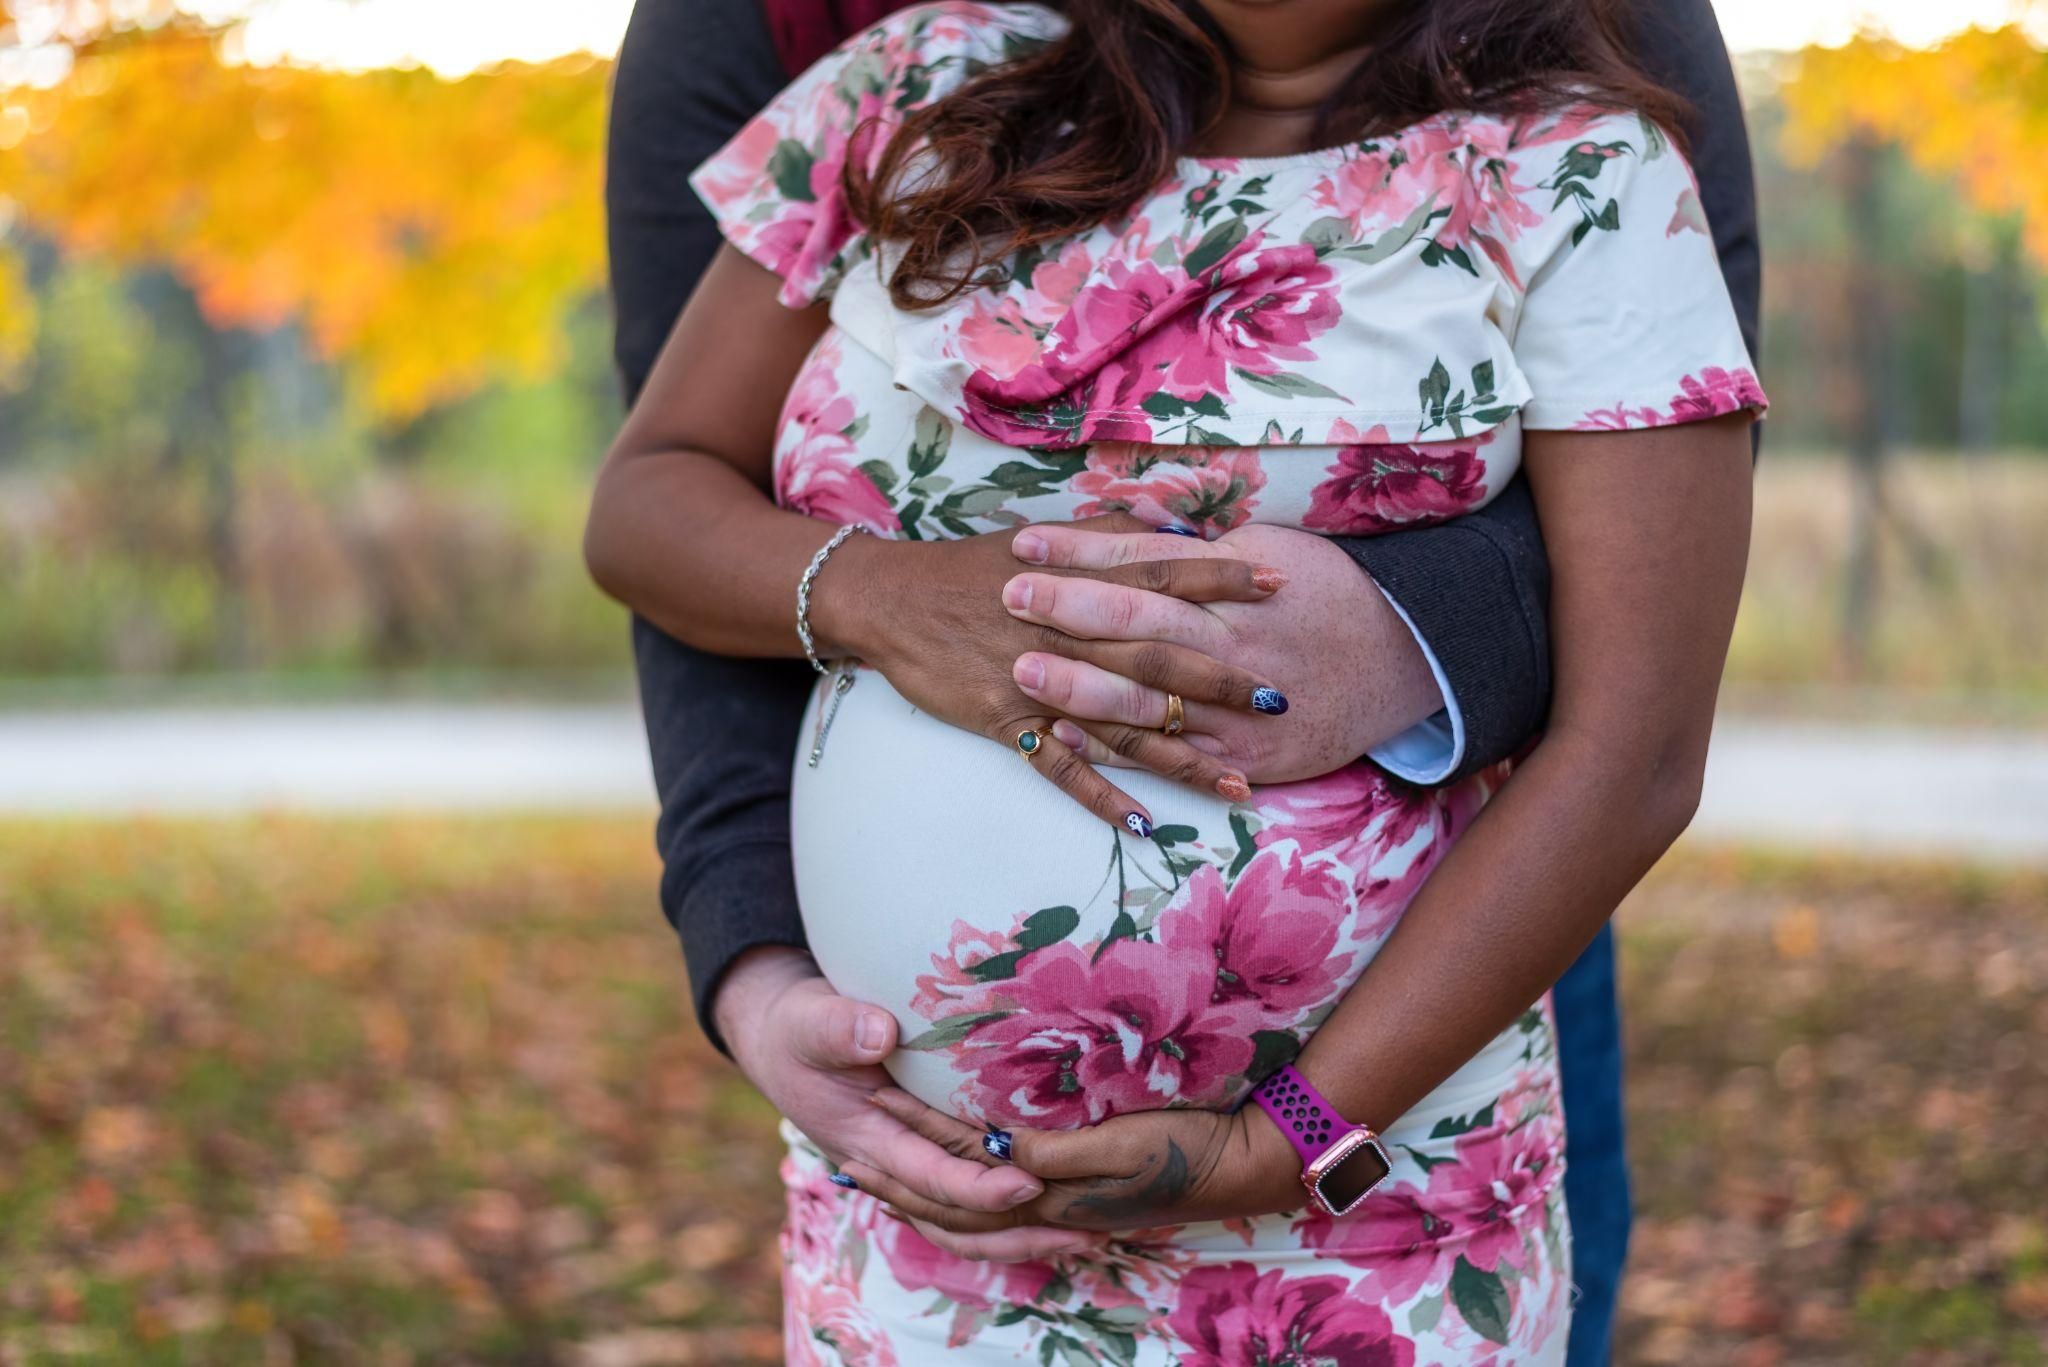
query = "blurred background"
{"x": 337, "y": 1019}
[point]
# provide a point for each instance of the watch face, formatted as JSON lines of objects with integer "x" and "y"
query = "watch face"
{"x": 1351, "y": 1178}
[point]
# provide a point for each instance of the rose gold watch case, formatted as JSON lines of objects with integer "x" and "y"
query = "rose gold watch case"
{"x": 1342, "y": 1148}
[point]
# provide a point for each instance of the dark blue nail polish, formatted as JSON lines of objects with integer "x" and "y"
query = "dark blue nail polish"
{"x": 997, "y": 1143}
{"x": 1138, "y": 825}
{"x": 1270, "y": 701}
{"x": 1172, "y": 530}
{"x": 840, "y": 1179}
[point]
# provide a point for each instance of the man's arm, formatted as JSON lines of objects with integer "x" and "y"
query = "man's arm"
{"x": 1476, "y": 591}
{"x": 727, "y": 884}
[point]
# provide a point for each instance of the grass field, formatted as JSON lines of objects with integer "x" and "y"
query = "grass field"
{"x": 1961, "y": 624}
{"x": 286, "y": 1091}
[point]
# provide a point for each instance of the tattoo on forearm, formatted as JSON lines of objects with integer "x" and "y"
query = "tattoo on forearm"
{"x": 1115, "y": 1201}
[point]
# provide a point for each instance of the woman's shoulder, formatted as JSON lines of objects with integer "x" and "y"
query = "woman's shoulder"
{"x": 921, "y": 52}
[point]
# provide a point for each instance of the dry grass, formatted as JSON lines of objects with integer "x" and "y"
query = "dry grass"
{"x": 393, "y": 1091}
{"x": 1969, "y": 614}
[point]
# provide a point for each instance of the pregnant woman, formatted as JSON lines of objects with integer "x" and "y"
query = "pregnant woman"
{"x": 1004, "y": 267}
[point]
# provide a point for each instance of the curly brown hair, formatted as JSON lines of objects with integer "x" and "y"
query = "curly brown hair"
{"x": 1056, "y": 142}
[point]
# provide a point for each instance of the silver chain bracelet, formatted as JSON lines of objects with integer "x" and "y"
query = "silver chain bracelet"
{"x": 803, "y": 593}
{"x": 844, "y": 668}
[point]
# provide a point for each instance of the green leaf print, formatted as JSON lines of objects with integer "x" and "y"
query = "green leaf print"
{"x": 1247, "y": 850}
{"x": 1423, "y": 1315}
{"x": 929, "y": 442}
{"x": 1272, "y": 1050}
{"x": 1482, "y": 382}
{"x": 1456, "y": 1125}
{"x": 1425, "y": 1160}
{"x": 1216, "y": 244}
{"x": 950, "y": 1031}
{"x": 882, "y": 475}
{"x": 1435, "y": 388}
{"x": 1327, "y": 235}
{"x": 1393, "y": 239}
{"x": 1286, "y": 384}
{"x": 1122, "y": 928}
{"x": 1047, "y": 927}
{"x": 1175, "y": 835}
{"x": 790, "y": 168}
{"x": 1436, "y": 254}
{"x": 998, "y": 968}
{"x": 1482, "y": 1299}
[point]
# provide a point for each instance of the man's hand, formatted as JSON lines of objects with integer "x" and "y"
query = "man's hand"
{"x": 817, "y": 1056}
{"x": 1350, "y": 670}
{"x": 930, "y": 616}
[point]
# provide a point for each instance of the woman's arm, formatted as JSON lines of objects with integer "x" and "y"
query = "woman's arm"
{"x": 1648, "y": 533}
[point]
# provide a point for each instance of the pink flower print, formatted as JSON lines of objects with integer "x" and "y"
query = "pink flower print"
{"x": 729, "y": 178}
{"x": 814, "y": 1212}
{"x": 1209, "y": 488}
{"x": 1135, "y": 1030}
{"x": 1390, "y": 833}
{"x": 1501, "y": 1173}
{"x": 829, "y": 1314}
{"x": 1137, "y": 329}
{"x": 953, "y": 989}
{"x": 1688, "y": 215}
{"x": 995, "y": 337}
{"x": 1396, "y": 1237}
{"x": 1715, "y": 393}
{"x": 815, "y": 470}
{"x": 1231, "y": 1316}
{"x": 1619, "y": 418}
{"x": 1272, "y": 935}
{"x": 1282, "y": 298}
{"x": 1056, "y": 282}
{"x": 1379, "y": 485}
{"x": 972, "y": 1285}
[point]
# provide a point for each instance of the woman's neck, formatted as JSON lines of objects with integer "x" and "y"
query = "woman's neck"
{"x": 1291, "y": 56}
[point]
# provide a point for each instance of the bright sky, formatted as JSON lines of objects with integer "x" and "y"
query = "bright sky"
{"x": 458, "y": 35}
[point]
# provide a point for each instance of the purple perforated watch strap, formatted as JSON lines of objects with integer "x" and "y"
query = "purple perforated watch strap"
{"x": 1308, "y": 1120}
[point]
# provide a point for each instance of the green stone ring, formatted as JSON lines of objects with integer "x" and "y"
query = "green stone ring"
{"x": 1029, "y": 743}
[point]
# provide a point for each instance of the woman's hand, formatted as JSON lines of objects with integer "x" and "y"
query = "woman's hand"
{"x": 1349, "y": 670}
{"x": 930, "y": 616}
{"x": 1138, "y": 1171}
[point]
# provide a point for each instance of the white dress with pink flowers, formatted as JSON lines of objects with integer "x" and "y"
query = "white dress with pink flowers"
{"x": 1344, "y": 342}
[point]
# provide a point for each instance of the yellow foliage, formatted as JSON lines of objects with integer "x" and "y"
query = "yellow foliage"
{"x": 1973, "y": 109}
{"x": 17, "y": 315}
{"x": 430, "y": 234}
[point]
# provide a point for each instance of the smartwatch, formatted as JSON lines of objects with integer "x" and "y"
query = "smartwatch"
{"x": 1341, "y": 1163}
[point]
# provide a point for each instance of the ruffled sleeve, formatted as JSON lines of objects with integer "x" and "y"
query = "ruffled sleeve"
{"x": 1626, "y": 321}
{"x": 775, "y": 188}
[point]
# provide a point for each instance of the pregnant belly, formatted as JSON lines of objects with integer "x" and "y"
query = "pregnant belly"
{"x": 1049, "y": 971}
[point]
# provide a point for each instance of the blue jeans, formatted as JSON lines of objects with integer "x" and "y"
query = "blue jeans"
{"x": 1596, "y": 1178}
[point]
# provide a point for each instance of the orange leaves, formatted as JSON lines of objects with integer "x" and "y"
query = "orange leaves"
{"x": 1973, "y": 109}
{"x": 430, "y": 234}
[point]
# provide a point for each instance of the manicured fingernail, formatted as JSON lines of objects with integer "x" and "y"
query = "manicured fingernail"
{"x": 870, "y": 1033}
{"x": 1270, "y": 701}
{"x": 1234, "y": 788}
{"x": 1031, "y": 547}
{"x": 997, "y": 1144}
{"x": 1029, "y": 672}
{"x": 1068, "y": 734}
{"x": 1138, "y": 825}
{"x": 840, "y": 1179}
{"x": 1267, "y": 578}
{"x": 1017, "y": 594}
{"x": 1171, "y": 530}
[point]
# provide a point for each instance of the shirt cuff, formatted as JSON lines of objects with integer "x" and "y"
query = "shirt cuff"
{"x": 1430, "y": 751}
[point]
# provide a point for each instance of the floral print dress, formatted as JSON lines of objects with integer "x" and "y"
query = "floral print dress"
{"x": 1345, "y": 342}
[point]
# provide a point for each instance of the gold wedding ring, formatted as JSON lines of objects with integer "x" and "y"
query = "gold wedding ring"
{"x": 1176, "y": 715}
{"x": 1029, "y": 743}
